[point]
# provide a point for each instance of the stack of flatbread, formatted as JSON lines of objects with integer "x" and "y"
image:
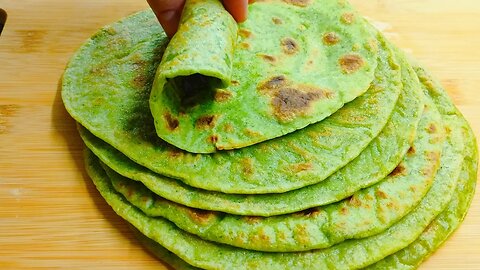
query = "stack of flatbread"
{"x": 300, "y": 139}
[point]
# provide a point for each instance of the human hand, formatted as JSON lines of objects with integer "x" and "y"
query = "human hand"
{"x": 169, "y": 12}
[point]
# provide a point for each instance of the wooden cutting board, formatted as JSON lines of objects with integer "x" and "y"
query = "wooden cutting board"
{"x": 51, "y": 215}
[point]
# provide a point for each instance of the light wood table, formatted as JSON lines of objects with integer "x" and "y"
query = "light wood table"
{"x": 51, "y": 215}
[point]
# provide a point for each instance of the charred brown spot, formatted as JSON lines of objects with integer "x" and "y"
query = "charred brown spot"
{"x": 299, "y": 150}
{"x": 244, "y": 45}
{"x": 399, "y": 170}
{"x": 247, "y": 166}
{"x": 289, "y": 46}
{"x": 260, "y": 236}
{"x": 235, "y": 83}
{"x": 355, "y": 201}
{"x": 172, "y": 123}
{"x": 213, "y": 139}
{"x": 139, "y": 64}
{"x": 228, "y": 128}
{"x": 252, "y": 219}
{"x": 344, "y": 211}
{"x": 130, "y": 191}
{"x": 301, "y": 234}
{"x": 348, "y": 18}
{"x": 289, "y": 101}
{"x": 300, "y": 3}
{"x": 140, "y": 81}
{"x": 264, "y": 237}
{"x": 268, "y": 58}
{"x": 276, "y": 20}
{"x": 222, "y": 95}
{"x": 411, "y": 150}
{"x": 311, "y": 212}
{"x": 274, "y": 83}
{"x": 251, "y": 133}
{"x": 331, "y": 38}
{"x": 300, "y": 167}
{"x": 351, "y": 63}
{"x": 207, "y": 121}
{"x": 381, "y": 194}
{"x": 244, "y": 33}
{"x": 432, "y": 128}
{"x": 200, "y": 216}
{"x": 121, "y": 185}
{"x": 174, "y": 152}
{"x": 146, "y": 200}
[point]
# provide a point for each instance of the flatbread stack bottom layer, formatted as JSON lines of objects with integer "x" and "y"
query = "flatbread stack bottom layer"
{"x": 342, "y": 153}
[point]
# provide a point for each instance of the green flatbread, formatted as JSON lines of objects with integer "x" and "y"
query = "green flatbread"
{"x": 430, "y": 240}
{"x": 106, "y": 88}
{"x": 368, "y": 168}
{"x": 440, "y": 229}
{"x": 321, "y": 227}
{"x": 163, "y": 253}
{"x": 310, "y": 142}
{"x": 292, "y": 65}
{"x": 450, "y": 219}
{"x": 402, "y": 233}
{"x": 348, "y": 254}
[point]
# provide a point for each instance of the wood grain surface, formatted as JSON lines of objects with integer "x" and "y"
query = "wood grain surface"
{"x": 51, "y": 215}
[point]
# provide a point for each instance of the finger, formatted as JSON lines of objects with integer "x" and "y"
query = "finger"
{"x": 168, "y": 13}
{"x": 238, "y": 9}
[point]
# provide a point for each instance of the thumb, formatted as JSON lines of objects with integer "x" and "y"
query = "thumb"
{"x": 168, "y": 13}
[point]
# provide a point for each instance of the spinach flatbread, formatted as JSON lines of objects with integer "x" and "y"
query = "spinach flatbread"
{"x": 292, "y": 65}
{"x": 365, "y": 213}
{"x": 374, "y": 163}
{"x": 108, "y": 94}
